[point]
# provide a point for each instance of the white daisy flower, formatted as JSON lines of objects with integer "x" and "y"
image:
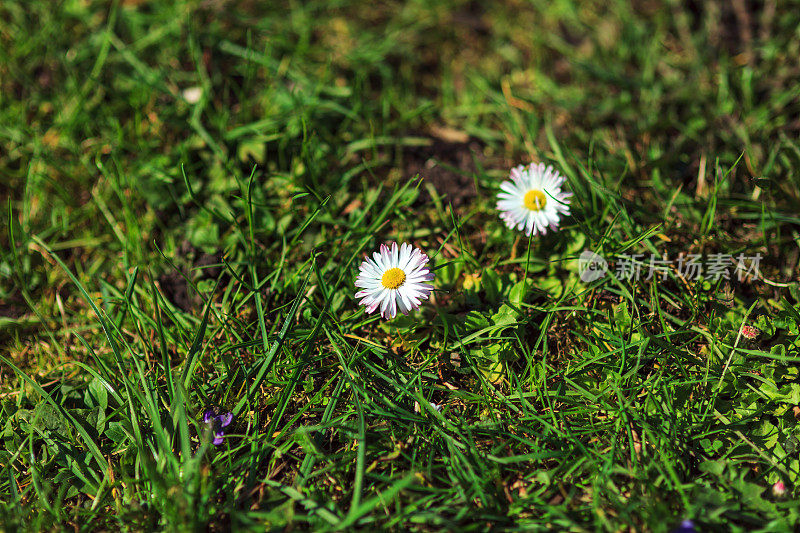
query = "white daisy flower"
{"x": 394, "y": 280}
{"x": 532, "y": 199}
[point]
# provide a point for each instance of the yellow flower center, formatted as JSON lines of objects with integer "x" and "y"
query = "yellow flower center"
{"x": 393, "y": 278}
{"x": 535, "y": 200}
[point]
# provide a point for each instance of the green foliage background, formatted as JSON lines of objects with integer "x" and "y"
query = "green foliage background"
{"x": 188, "y": 188}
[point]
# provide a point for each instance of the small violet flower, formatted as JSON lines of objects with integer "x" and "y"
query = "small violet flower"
{"x": 217, "y": 423}
{"x": 687, "y": 526}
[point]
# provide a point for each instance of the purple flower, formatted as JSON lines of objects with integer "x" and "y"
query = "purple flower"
{"x": 687, "y": 526}
{"x": 217, "y": 422}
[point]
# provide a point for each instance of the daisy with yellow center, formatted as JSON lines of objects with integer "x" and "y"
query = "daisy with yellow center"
{"x": 394, "y": 280}
{"x": 532, "y": 199}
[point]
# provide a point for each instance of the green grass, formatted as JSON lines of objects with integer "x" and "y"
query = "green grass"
{"x": 162, "y": 255}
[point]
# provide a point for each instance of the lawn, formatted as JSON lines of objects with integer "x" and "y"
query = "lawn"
{"x": 189, "y": 188}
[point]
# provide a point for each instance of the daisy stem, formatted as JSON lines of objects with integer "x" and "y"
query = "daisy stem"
{"x": 527, "y": 261}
